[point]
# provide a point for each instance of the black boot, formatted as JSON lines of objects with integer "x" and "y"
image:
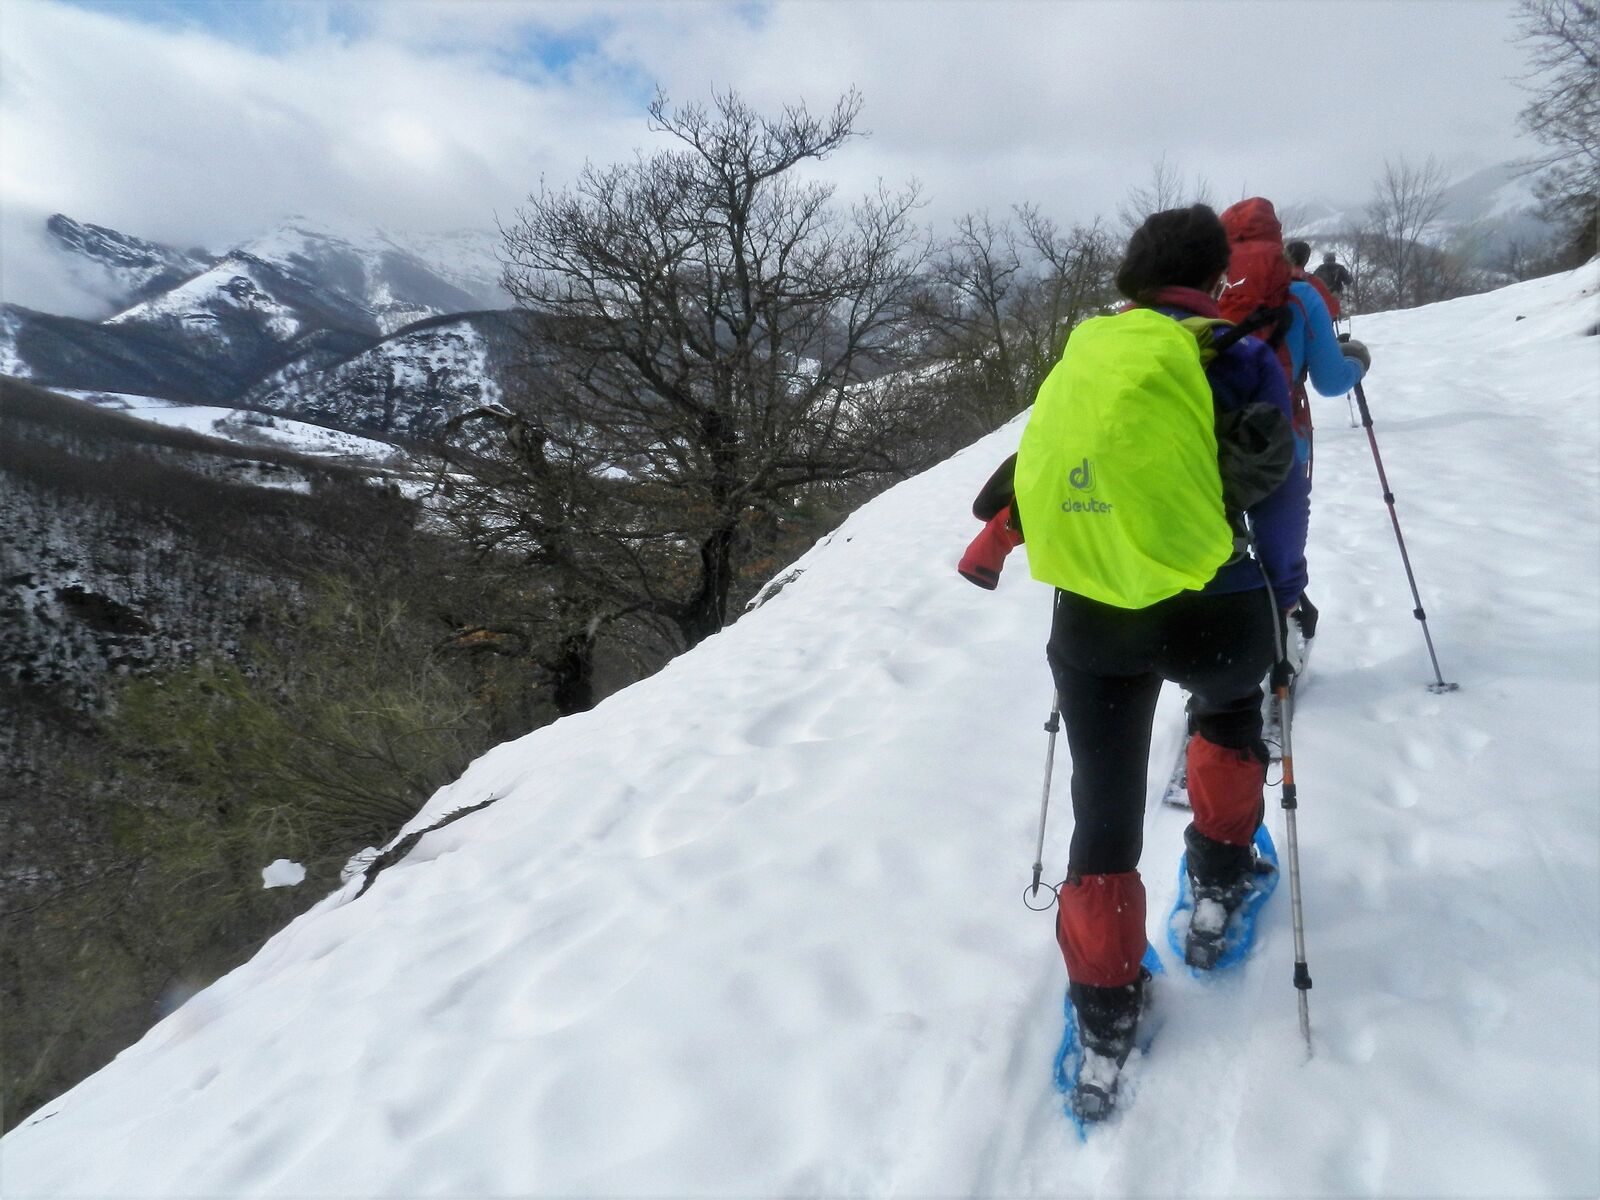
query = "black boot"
{"x": 1108, "y": 1020}
{"x": 1220, "y": 877}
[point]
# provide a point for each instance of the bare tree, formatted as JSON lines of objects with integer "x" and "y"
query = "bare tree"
{"x": 1075, "y": 281}
{"x": 1406, "y": 204}
{"x": 707, "y": 328}
{"x": 1563, "y": 39}
{"x": 1004, "y": 297}
{"x": 1167, "y": 189}
{"x": 1294, "y": 218}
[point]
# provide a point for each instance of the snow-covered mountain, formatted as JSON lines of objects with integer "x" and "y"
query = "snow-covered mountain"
{"x": 117, "y": 265}
{"x": 399, "y": 279}
{"x": 305, "y": 298}
{"x": 1483, "y": 212}
{"x": 409, "y": 384}
{"x": 148, "y": 359}
{"x": 250, "y": 312}
{"x": 754, "y": 926}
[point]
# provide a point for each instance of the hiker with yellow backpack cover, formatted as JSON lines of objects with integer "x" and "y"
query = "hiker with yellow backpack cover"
{"x": 1158, "y": 456}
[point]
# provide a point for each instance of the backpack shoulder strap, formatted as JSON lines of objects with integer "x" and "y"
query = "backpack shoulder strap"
{"x": 1211, "y": 334}
{"x": 1278, "y": 318}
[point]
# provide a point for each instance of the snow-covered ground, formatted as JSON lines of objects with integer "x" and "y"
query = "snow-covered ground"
{"x": 754, "y": 926}
{"x": 242, "y": 425}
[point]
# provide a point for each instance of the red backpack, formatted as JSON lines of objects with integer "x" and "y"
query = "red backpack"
{"x": 1329, "y": 300}
{"x": 1257, "y": 287}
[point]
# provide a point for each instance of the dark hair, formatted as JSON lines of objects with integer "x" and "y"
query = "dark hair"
{"x": 1182, "y": 247}
{"x": 1299, "y": 253}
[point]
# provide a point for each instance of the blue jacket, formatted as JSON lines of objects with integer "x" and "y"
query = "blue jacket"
{"x": 1249, "y": 372}
{"x": 1313, "y": 346}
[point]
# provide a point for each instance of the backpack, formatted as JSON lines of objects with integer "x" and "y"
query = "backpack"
{"x": 1329, "y": 300}
{"x": 1334, "y": 276}
{"x": 1257, "y": 287}
{"x": 1258, "y": 273}
{"x": 1118, "y": 475}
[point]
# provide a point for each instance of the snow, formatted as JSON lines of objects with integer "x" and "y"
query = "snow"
{"x": 464, "y": 259}
{"x": 233, "y": 283}
{"x": 11, "y": 363}
{"x": 410, "y": 383}
{"x": 1512, "y": 197}
{"x": 245, "y": 426}
{"x": 468, "y": 258}
{"x": 356, "y": 265}
{"x": 455, "y": 349}
{"x": 754, "y": 926}
{"x": 281, "y": 872}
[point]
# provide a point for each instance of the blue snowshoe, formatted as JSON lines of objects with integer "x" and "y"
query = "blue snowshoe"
{"x": 1089, "y": 1062}
{"x": 1212, "y": 928}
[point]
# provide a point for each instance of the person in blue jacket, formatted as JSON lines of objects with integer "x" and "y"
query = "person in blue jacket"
{"x": 1317, "y": 355}
{"x": 1259, "y": 275}
{"x": 1315, "y": 351}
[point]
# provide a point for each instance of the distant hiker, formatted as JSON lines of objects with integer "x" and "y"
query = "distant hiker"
{"x": 1127, "y": 514}
{"x": 1260, "y": 280}
{"x": 1299, "y": 254}
{"x": 1334, "y": 275}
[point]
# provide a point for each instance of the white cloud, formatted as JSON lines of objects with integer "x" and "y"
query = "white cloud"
{"x": 439, "y": 115}
{"x": 1067, "y": 104}
{"x": 35, "y": 274}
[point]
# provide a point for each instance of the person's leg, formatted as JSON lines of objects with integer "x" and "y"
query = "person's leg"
{"x": 1220, "y": 647}
{"x": 1100, "y": 919}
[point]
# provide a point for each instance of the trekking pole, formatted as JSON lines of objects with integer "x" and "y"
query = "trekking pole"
{"x": 1052, "y": 727}
{"x": 1282, "y": 673}
{"x": 1350, "y": 398}
{"x": 1438, "y": 685}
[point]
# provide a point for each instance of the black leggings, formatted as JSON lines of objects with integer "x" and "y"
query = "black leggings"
{"x": 1108, "y": 664}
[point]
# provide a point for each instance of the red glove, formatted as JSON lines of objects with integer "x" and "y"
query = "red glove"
{"x": 987, "y": 553}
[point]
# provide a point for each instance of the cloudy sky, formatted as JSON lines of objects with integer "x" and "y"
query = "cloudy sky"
{"x": 202, "y": 123}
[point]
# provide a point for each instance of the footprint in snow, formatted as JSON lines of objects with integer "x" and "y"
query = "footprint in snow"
{"x": 1411, "y": 850}
{"x": 1419, "y": 754}
{"x": 1403, "y": 793}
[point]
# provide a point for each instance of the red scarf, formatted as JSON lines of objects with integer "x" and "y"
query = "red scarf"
{"x": 1191, "y": 299}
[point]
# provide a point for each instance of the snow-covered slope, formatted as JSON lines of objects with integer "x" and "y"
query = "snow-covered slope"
{"x": 246, "y": 426}
{"x": 117, "y": 265}
{"x": 410, "y": 383}
{"x": 305, "y": 297}
{"x": 754, "y": 925}
{"x": 11, "y": 362}
{"x": 1481, "y": 214}
{"x": 354, "y": 278}
{"x": 278, "y": 303}
{"x": 401, "y": 279}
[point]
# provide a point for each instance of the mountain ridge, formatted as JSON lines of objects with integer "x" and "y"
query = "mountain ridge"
{"x": 252, "y": 327}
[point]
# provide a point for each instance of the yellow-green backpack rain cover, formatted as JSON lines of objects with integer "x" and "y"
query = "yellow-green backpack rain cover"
{"x": 1116, "y": 478}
